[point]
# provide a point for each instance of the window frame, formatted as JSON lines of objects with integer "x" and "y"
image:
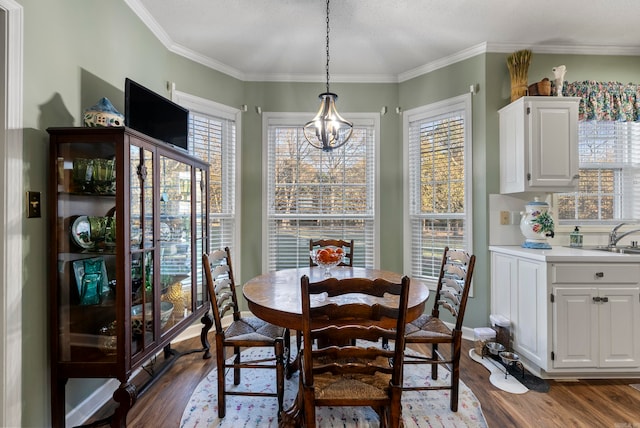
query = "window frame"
{"x": 619, "y": 171}
{"x": 210, "y": 108}
{"x": 426, "y": 112}
{"x": 299, "y": 119}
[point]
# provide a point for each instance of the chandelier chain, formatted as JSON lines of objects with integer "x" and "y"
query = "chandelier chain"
{"x": 327, "y": 67}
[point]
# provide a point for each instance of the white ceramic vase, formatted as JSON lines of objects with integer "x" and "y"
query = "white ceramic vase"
{"x": 536, "y": 225}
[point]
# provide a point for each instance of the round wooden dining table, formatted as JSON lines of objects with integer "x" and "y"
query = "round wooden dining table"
{"x": 275, "y": 296}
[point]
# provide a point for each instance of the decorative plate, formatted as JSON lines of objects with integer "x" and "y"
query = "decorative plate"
{"x": 81, "y": 232}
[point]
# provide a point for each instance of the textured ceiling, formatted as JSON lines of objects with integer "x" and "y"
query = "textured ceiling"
{"x": 380, "y": 40}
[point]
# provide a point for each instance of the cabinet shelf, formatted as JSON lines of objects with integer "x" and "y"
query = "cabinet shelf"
{"x": 119, "y": 257}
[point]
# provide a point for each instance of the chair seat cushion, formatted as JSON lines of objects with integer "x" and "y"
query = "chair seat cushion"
{"x": 425, "y": 327}
{"x": 253, "y": 329}
{"x": 351, "y": 386}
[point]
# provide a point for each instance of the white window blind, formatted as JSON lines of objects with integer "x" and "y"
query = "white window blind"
{"x": 212, "y": 139}
{"x": 312, "y": 194}
{"x": 438, "y": 183}
{"x": 609, "y": 184}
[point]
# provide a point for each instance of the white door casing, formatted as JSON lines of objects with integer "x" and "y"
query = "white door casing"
{"x": 11, "y": 204}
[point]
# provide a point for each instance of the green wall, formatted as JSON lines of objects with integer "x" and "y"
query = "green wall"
{"x": 76, "y": 52}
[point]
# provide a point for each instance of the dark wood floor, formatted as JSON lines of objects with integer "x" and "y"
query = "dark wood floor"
{"x": 586, "y": 403}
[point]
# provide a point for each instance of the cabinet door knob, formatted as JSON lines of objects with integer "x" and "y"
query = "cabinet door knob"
{"x": 599, "y": 274}
{"x": 596, "y": 299}
{"x": 605, "y": 299}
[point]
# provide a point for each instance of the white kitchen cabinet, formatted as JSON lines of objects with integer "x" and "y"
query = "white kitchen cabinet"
{"x": 539, "y": 145}
{"x": 596, "y": 316}
{"x": 519, "y": 293}
{"x": 573, "y": 312}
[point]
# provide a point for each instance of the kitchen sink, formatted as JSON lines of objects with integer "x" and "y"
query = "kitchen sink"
{"x": 619, "y": 250}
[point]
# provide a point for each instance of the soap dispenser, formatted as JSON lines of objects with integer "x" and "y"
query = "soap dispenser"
{"x": 575, "y": 238}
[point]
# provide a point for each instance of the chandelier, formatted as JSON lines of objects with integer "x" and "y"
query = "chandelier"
{"x": 328, "y": 130}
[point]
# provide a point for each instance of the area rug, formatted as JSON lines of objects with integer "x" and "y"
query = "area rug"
{"x": 420, "y": 408}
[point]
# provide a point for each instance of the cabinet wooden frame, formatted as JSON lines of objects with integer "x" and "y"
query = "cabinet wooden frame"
{"x": 99, "y": 341}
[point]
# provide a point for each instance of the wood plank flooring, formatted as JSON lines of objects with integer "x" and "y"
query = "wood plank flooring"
{"x": 587, "y": 403}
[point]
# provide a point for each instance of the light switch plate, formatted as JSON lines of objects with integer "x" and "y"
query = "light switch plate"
{"x": 33, "y": 205}
{"x": 505, "y": 217}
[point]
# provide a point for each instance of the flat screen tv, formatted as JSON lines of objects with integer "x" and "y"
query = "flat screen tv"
{"x": 155, "y": 115}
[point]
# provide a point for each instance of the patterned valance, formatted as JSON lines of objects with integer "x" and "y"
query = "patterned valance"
{"x": 605, "y": 100}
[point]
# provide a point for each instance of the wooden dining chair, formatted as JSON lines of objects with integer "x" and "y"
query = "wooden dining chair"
{"x": 347, "y": 246}
{"x": 451, "y": 295}
{"x": 364, "y": 374}
{"x": 243, "y": 332}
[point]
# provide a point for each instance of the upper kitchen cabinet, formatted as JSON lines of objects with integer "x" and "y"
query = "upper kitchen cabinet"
{"x": 539, "y": 145}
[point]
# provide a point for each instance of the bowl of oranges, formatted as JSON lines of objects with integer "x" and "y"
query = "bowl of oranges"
{"x": 327, "y": 258}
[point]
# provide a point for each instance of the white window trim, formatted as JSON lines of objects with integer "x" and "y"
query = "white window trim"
{"x": 463, "y": 102}
{"x": 208, "y": 107}
{"x": 287, "y": 118}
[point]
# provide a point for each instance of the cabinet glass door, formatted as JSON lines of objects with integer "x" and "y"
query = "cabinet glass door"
{"x": 85, "y": 293}
{"x": 175, "y": 241}
{"x": 143, "y": 248}
{"x": 201, "y": 238}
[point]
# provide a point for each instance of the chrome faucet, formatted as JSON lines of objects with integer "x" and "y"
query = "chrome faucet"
{"x": 614, "y": 238}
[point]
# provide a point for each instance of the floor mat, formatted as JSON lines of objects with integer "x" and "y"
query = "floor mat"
{"x": 497, "y": 377}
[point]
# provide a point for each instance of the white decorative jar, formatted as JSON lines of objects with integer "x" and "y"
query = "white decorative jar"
{"x": 536, "y": 225}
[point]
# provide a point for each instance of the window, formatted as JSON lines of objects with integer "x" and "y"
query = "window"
{"x": 212, "y": 138}
{"x": 315, "y": 194}
{"x": 609, "y": 162}
{"x": 437, "y": 185}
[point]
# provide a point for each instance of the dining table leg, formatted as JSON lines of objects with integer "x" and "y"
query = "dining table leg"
{"x": 294, "y": 364}
{"x": 294, "y": 415}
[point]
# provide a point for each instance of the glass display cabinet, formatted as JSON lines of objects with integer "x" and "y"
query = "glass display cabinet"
{"x": 127, "y": 217}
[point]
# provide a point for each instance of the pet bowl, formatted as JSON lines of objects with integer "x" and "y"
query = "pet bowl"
{"x": 494, "y": 347}
{"x": 509, "y": 357}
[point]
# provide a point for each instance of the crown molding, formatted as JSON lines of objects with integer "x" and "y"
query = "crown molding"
{"x": 470, "y": 52}
{"x": 565, "y": 49}
{"x": 168, "y": 43}
{"x": 443, "y": 62}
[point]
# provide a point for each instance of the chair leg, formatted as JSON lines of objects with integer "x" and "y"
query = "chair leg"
{"x": 455, "y": 374}
{"x": 434, "y": 357}
{"x": 309, "y": 410}
{"x": 222, "y": 405}
{"x": 236, "y": 362}
{"x": 280, "y": 363}
{"x": 287, "y": 353}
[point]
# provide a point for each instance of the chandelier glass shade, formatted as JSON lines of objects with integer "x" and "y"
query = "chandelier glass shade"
{"x": 328, "y": 130}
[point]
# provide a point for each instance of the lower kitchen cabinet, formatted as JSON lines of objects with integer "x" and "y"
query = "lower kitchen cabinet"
{"x": 569, "y": 315}
{"x": 596, "y": 316}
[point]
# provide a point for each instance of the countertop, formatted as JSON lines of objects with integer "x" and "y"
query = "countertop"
{"x": 566, "y": 254}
